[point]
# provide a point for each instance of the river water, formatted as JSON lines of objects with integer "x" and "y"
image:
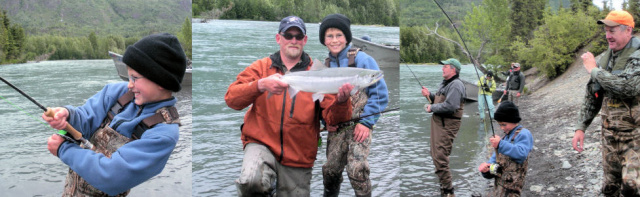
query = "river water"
{"x": 26, "y": 166}
{"x": 418, "y": 171}
{"x": 222, "y": 49}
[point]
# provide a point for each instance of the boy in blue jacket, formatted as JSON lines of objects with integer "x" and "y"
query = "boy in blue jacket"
{"x": 349, "y": 146}
{"x": 127, "y": 150}
{"x": 509, "y": 165}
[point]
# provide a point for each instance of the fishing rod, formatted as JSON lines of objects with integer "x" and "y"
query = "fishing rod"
{"x": 361, "y": 117}
{"x": 49, "y": 112}
{"x": 470, "y": 58}
{"x": 414, "y": 76}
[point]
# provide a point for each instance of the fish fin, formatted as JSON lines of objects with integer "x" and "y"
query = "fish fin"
{"x": 293, "y": 92}
{"x": 317, "y": 96}
{"x": 317, "y": 65}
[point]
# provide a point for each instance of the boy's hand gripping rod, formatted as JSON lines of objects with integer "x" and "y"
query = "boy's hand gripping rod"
{"x": 49, "y": 112}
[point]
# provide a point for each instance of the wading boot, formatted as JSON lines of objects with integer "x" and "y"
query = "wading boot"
{"x": 447, "y": 193}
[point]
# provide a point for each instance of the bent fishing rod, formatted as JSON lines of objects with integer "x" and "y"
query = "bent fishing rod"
{"x": 49, "y": 112}
{"x": 414, "y": 76}
{"x": 471, "y": 59}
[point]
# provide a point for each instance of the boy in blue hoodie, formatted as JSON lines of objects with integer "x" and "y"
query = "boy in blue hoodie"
{"x": 133, "y": 126}
{"x": 508, "y": 165}
{"x": 349, "y": 146}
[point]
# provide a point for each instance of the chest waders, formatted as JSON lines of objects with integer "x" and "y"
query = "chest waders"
{"x": 106, "y": 141}
{"x": 441, "y": 118}
{"x": 444, "y": 129}
{"x": 620, "y": 114}
{"x": 510, "y": 179}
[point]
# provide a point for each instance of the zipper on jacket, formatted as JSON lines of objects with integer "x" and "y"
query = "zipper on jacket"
{"x": 293, "y": 102}
{"x": 284, "y": 104}
{"x": 118, "y": 123}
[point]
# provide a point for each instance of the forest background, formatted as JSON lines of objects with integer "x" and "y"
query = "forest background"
{"x": 542, "y": 34}
{"x": 34, "y": 30}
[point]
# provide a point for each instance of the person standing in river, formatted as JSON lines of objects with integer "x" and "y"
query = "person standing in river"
{"x": 349, "y": 145}
{"x": 486, "y": 87}
{"x": 613, "y": 88}
{"x": 133, "y": 126}
{"x": 280, "y": 143}
{"x": 447, "y": 108}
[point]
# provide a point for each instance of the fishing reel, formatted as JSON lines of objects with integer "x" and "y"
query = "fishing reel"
{"x": 495, "y": 169}
{"x": 426, "y": 107}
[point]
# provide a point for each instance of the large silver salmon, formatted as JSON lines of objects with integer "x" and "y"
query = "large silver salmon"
{"x": 329, "y": 80}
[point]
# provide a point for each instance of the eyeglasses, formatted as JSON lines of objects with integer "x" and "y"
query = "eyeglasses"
{"x": 290, "y": 36}
{"x": 133, "y": 79}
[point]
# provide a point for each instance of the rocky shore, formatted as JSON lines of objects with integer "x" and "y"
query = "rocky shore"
{"x": 550, "y": 112}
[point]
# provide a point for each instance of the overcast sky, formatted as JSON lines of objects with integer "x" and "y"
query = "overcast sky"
{"x": 617, "y": 4}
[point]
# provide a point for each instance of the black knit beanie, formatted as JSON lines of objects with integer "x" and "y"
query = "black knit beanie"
{"x": 507, "y": 112}
{"x": 159, "y": 58}
{"x": 336, "y": 21}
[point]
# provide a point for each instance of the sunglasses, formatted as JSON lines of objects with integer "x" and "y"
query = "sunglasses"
{"x": 290, "y": 36}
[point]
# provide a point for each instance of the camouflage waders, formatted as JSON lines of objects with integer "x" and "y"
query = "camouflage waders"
{"x": 444, "y": 129}
{"x": 621, "y": 145}
{"x": 106, "y": 141}
{"x": 510, "y": 180}
{"x": 343, "y": 150}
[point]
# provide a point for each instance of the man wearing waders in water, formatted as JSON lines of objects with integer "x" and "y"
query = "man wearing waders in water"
{"x": 447, "y": 109}
{"x": 133, "y": 126}
{"x": 349, "y": 145}
{"x": 280, "y": 133}
{"x": 614, "y": 89}
{"x": 508, "y": 164}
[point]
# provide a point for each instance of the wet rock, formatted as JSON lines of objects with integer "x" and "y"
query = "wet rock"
{"x": 566, "y": 165}
{"x": 536, "y": 188}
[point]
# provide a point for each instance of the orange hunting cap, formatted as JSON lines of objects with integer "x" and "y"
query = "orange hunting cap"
{"x": 618, "y": 17}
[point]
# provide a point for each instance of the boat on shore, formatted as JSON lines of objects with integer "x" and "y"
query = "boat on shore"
{"x": 471, "y": 90}
{"x": 387, "y": 56}
{"x": 123, "y": 74}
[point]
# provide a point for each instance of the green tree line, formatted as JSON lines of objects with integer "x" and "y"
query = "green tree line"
{"x": 19, "y": 48}
{"x": 498, "y": 32}
{"x": 12, "y": 39}
{"x": 367, "y": 12}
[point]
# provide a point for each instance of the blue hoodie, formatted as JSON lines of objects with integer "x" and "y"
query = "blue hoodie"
{"x": 377, "y": 93}
{"x": 134, "y": 162}
{"x": 519, "y": 150}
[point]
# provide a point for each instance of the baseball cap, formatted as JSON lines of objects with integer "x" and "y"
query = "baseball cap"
{"x": 452, "y": 61}
{"x": 618, "y": 17}
{"x": 516, "y": 65}
{"x": 292, "y": 21}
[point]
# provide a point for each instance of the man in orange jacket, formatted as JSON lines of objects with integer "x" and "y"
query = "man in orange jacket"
{"x": 280, "y": 134}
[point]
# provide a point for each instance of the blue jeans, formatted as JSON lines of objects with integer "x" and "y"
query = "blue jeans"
{"x": 481, "y": 105}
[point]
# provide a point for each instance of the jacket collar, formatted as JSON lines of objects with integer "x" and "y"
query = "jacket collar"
{"x": 277, "y": 63}
{"x": 342, "y": 54}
